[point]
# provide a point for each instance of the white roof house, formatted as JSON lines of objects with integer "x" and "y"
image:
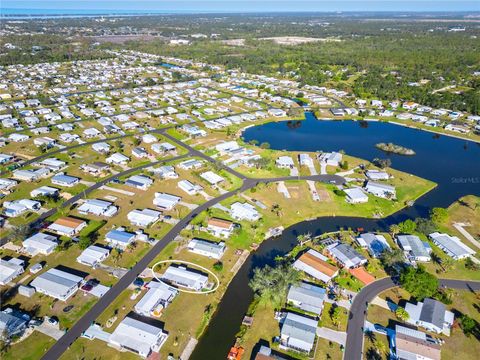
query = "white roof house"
{"x": 57, "y": 284}
{"x": 451, "y": 245}
{"x": 212, "y": 178}
{"x": 18, "y": 207}
{"x": 189, "y": 187}
{"x": 65, "y": 180}
{"x": 227, "y": 146}
{"x": 143, "y": 218}
{"x": 355, "y": 196}
{"x": 305, "y": 160}
{"x": 285, "y": 162}
{"x": 244, "y": 211}
{"x": 184, "y": 277}
{"x": 40, "y": 244}
{"x": 119, "y": 238}
{"x": 307, "y": 297}
{"x": 98, "y": 207}
{"x": 381, "y": 190}
{"x": 333, "y": 158}
{"x": 138, "y": 337}
{"x": 190, "y": 164}
{"x": 93, "y": 255}
{"x": 10, "y": 269}
{"x": 166, "y": 201}
{"x": 375, "y": 243}
{"x": 101, "y": 147}
{"x": 44, "y": 191}
{"x": 139, "y": 181}
{"x": 346, "y": 255}
{"x": 159, "y": 295}
{"x": 377, "y": 175}
{"x": 118, "y": 159}
{"x": 430, "y": 314}
{"x": 413, "y": 247}
{"x": 298, "y": 332}
{"x": 207, "y": 248}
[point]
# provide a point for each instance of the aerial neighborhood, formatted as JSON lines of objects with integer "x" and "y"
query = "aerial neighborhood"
{"x": 159, "y": 206}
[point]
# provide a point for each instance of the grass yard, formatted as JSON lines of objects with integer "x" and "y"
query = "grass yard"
{"x": 326, "y": 320}
{"x": 95, "y": 349}
{"x": 32, "y": 348}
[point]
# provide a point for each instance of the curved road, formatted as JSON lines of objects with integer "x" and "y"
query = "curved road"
{"x": 358, "y": 310}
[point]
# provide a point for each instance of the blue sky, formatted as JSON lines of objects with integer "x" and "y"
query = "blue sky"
{"x": 245, "y": 5}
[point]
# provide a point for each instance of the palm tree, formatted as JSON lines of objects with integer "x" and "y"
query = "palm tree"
{"x": 402, "y": 314}
{"x": 304, "y": 238}
{"x": 394, "y": 230}
{"x": 272, "y": 284}
{"x": 380, "y": 347}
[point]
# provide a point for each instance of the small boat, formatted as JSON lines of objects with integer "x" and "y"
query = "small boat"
{"x": 236, "y": 353}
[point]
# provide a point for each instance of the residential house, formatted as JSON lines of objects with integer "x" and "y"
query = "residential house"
{"x": 298, "y": 332}
{"x": 65, "y": 180}
{"x": 10, "y": 269}
{"x": 166, "y": 201}
{"x": 13, "y": 323}
{"x": 39, "y": 244}
{"x": 190, "y": 164}
{"x": 57, "y": 283}
{"x": 345, "y": 255}
{"x": 412, "y": 344}
{"x": 375, "y": 243}
{"x": 431, "y": 315}
{"x": 143, "y": 218}
{"x": 44, "y": 191}
{"x": 244, "y": 211}
{"x": 119, "y": 238}
{"x": 67, "y": 226}
{"x": 184, "y": 277}
{"x": 381, "y": 190}
{"x": 93, "y": 255}
{"x": 189, "y": 187}
{"x": 18, "y": 207}
{"x": 285, "y": 162}
{"x": 117, "y": 159}
{"x": 315, "y": 264}
{"x": 158, "y": 296}
{"x": 355, "y": 196}
{"x": 212, "y": 178}
{"x": 101, "y": 147}
{"x": 207, "y": 248}
{"x": 220, "y": 227}
{"x": 98, "y": 208}
{"x": 414, "y": 248}
{"x": 333, "y": 158}
{"x": 307, "y": 297}
{"x": 377, "y": 175}
{"x": 138, "y": 337}
{"x": 451, "y": 245}
{"x": 139, "y": 182}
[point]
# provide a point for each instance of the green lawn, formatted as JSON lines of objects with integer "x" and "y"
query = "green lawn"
{"x": 32, "y": 348}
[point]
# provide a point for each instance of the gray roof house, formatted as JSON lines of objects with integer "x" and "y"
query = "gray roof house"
{"x": 298, "y": 333}
{"x": 12, "y": 323}
{"x": 182, "y": 276}
{"x": 157, "y": 298}
{"x": 10, "y": 269}
{"x": 413, "y": 247}
{"x": 207, "y": 248}
{"x": 57, "y": 284}
{"x": 307, "y": 297}
{"x": 451, "y": 245}
{"x": 346, "y": 255}
{"x": 431, "y": 315}
{"x": 375, "y": 243}
{"x": 381, "y": 190}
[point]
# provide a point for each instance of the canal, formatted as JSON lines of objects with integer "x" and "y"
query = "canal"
{"x": 452, "y": 163}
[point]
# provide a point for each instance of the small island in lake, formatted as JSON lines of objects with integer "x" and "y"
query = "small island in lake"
{"x": 396, "y": 149}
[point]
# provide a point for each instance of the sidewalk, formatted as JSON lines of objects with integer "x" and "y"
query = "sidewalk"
{"x": 459, "y": 227}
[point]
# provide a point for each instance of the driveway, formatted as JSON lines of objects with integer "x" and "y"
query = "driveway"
{"x": 339, "y": 337}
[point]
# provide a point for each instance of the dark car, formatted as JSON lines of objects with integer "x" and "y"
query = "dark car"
{"x": 380, "y": 328}
{"x": 138, "y": 282}
{"x": 87, "y": 287}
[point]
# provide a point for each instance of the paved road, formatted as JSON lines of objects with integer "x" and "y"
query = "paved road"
{"x": 357, "y": 316}
{"x": 87, "y": 191}
{"x": 81, "y": 325}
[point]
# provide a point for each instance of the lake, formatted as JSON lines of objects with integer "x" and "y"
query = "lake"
{"x": 452, "y": 163}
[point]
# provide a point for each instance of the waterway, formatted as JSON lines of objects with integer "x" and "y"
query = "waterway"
{"x": 452, "y": 163}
